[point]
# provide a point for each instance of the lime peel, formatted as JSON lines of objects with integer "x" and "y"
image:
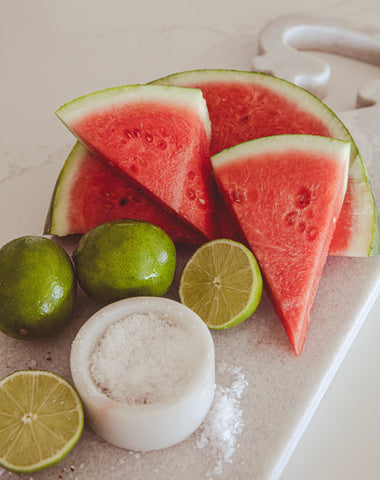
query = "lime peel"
{"x": 37, "y": 287}
{"x": 125, "y": 258}
{"x": 222, "y": 283}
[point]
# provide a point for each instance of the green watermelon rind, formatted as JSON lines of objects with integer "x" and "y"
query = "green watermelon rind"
{"x": 56, "y": 218}
{"x": 365, "y": 245}
{"x": 165, "y": 94}
{"x": 284, "y": 143}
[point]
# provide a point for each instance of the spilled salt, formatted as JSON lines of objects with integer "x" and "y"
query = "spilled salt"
{"x": 225, "y": 419}
{"x": 143, "y": 358}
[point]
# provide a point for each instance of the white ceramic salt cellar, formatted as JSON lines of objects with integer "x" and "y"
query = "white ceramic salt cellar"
{"x": 150, "y": 421}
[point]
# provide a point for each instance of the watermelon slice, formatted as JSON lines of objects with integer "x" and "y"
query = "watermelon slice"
{"x": 286, "y": 192}
{"x": 159, "y": 137}
{"x": 246, "y": 105}
{"x": 88, "y": 193}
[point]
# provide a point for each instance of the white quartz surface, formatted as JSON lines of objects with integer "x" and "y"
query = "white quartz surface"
{"x": 53, "y": 51}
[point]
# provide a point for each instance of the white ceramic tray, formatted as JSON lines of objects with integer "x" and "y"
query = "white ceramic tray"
{"x": 265, "y": 395}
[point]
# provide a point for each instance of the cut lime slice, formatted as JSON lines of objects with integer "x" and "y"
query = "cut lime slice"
{"x": 222, "y": 283}
{"x": 41, "y": 419}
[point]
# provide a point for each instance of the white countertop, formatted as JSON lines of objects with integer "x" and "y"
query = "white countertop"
{"x": 52, "y": 51}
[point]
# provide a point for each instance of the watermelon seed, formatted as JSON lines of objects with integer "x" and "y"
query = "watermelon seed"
{"x": 134, "y": 168}
{"x": 135, "y": 133}
{"x": 190, "y": 193}
{"x": 237, "y": 196}
{"x": 290, "y": 218}
{"x": 123, "y": 201}
{"x": 149, "y": 138}
{"x": 303, "y": 198}
{"x": 162, "y": 144}
{"x": 312, "y": 233}
{"x": 302, "y": 226}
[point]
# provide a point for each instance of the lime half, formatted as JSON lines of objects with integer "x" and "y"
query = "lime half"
{"x": 222, "y": 283}
{"x": 41, "y": 419}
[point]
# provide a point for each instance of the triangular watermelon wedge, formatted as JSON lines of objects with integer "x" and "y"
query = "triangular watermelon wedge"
{"x": 286, "y": 192}
{"x": 159, "y": 137}
{"x": 88, "y": 193}
{"x": 245, "y": 105}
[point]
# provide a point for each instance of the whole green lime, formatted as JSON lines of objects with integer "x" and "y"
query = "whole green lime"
{"x": 37, "y": 287}
{"x": 125, "y": 258}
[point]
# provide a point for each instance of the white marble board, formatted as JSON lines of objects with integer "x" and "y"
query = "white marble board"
{"x": 265, "y": 395}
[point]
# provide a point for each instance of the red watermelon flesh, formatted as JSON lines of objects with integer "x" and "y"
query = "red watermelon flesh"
{"x": 89, "y": 192}
{"x": 286, "y": 192}
{"x": 241, "y": 112}
{"x": 159, "y": 137}
{"x": 247, "y": 105}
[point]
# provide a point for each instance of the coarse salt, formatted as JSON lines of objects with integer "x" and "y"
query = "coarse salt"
{"x": 225, "y": 418}
{"x": 143, "y": 358}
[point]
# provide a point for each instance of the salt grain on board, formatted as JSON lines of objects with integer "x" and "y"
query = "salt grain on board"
{"x": 224, "y": 420}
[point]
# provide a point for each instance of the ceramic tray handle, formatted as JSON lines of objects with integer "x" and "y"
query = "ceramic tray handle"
{"x": 281, "y": 39}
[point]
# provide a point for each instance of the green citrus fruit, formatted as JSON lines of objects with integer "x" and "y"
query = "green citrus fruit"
{"x": 41, "y": 419}
{"x": 37, "y": 287}
{"x": 222, "y": 283}
{"x": 125, "y": 258}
